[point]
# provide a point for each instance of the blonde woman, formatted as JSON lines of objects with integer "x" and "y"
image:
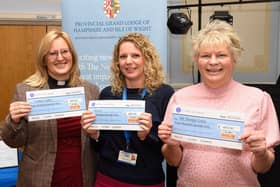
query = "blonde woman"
{"x": 136, "y": 73}
{"x": 56, "y": 153}
{"x": 216, "y": 50}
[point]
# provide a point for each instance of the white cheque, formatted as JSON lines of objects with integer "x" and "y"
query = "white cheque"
{"x": 117, "y": 114}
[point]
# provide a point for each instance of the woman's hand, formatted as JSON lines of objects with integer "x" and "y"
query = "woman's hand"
{"x": 145, "y": 120}
{"x": 164, "y": 133}
{"x": 255, "y": 141}
{"x": 86, "y": 121}
{"x": 262, "y": 157}
{"x": 171, "y": 149}
{"x": 18, "y": 110}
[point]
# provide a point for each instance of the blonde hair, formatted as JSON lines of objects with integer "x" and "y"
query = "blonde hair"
{"x": 40, "y": 77}
{"x": 217, "y": 33}
{"x": 153, "y": 71}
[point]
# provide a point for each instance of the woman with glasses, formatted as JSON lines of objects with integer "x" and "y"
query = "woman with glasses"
{"x": 219, "y": 108}
{"x": 132, "y": 158}
{"x": 56, "y": 152}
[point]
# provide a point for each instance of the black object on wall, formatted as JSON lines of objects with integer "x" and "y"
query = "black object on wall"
{"x": 179, "y": 23}
{"x": 222, "y": 15}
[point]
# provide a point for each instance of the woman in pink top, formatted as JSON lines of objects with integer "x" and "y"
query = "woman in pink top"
{"x": 216, "y": 50}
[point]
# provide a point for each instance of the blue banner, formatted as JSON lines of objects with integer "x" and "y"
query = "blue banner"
{"x": 96, "y": 25}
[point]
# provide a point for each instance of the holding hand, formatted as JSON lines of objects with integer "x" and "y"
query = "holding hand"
{"x": 171, "y": 149}
{"x": 255, "y": 141}
{"x": 18, "y": 110}
{"x": 86, "y": 121}
{"x": 164, "y": 133}
{"x": 262, "y": 157}
{"x": 145, "y": 120}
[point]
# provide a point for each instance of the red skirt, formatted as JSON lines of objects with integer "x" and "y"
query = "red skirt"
{"x": 105, "y": 181}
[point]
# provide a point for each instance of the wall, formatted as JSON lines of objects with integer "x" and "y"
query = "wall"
{"x": 17, "y": 56}
{"x": 22, "y": 25}
{"x": 259, "y": 63}
{"x": 27, "y": 9}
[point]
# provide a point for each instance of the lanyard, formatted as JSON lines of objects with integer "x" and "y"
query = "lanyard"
{"x": 127, "y": 134}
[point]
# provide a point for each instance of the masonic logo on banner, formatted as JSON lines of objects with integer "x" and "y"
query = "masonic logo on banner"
{"x": 111, "y": 8}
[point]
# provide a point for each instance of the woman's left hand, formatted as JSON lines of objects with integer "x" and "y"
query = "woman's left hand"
{"x": 256, "y": 142}
{"x": 145, "y": 120}
{"x": 263, "y": 156}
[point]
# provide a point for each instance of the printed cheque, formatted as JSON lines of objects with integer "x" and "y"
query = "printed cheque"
{"x": 117, "y": 114}
{"x": 56, "y": 103}
{"x": 205, "y": 126}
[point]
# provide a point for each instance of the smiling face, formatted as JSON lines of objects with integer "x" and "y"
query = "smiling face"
{"x": 59, "y": 60}
{"x": 131, "y": 62}
{"x": 215, "y": 65}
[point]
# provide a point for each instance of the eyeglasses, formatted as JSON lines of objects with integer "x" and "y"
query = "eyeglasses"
{"x": 54, "y": 54}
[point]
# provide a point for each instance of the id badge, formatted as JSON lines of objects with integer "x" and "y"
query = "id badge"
{"x": 128, "y": 158}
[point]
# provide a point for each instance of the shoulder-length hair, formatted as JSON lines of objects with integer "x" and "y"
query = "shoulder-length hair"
{"x": 153, "y": 70}
{"x": 40, "y": 77}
